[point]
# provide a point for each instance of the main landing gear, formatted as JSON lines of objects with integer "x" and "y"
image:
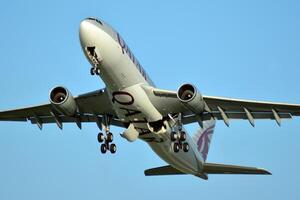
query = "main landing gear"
{"x": 178, "y": 136}
{"x": 106, "y": 138}
{"x": 178, "y": 139}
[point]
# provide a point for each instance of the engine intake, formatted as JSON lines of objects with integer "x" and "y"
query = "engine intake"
{"x": 63, "y": 101}
{"x": 191, "y": 98}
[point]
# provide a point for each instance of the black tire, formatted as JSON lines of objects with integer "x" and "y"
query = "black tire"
{"x": 92, "y": 71}
{"x": 186, "y": 147}
{"x": 113, "y": 148}
{"x": 100, "y": 137}
{"x": 182, "y": 136}
{"x": 176, "y": 147}
{"x": 109, "y": 137}
{"x": 173, "y": 136}
{"x": 97, "y": 71}
{"x": 103, "y": 148}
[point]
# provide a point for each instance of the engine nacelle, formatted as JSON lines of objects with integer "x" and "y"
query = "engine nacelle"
{"x": 63, "y": 101}
{"x": 191, "y": 98}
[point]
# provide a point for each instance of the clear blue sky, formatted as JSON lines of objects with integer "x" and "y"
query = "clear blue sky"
{"x": 248, "y": 49}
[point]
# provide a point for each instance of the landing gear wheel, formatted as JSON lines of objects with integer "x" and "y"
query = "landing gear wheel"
{"x": 113, "y": 148}
{"x": 103, "y": 148}
{"x": 173, "y": 136}
{"x": 97, "y": 71}
{"x": 182, "y": 136}
{"x": 109, "y": 137}
{"x": 176, "y": 147}
{"x": 185, "y": 147}
{"x": 92, "y": 71}
{"x": 100, "y": 137}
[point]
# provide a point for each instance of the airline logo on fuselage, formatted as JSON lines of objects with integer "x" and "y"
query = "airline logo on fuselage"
{"x": 125, "y": 49}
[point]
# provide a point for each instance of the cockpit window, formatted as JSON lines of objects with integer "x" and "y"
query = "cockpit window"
{"x": 96, "y": 20}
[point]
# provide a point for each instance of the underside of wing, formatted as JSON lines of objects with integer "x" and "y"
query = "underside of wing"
{"x": 91, "y": 107}
{"x": 226, "y": 108}
{"x": 221, "y": 108}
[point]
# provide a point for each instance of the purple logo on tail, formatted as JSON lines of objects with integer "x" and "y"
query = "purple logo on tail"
{"x": 204, "y": 141}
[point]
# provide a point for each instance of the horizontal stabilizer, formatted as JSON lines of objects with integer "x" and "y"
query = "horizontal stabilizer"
{"x": 213, "y": 168}
{"x": 165, "y": 170}
{"x": 208, "y": 168}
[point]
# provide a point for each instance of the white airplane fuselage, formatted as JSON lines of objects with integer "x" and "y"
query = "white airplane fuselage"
{"x": 126, "y": 81}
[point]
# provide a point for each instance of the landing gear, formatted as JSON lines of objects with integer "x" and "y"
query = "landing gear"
{"x": 106, "y": 143}
{"x": 106, "y": 139}
{"x": 182, "y": 136}
{"x": 178, "y": 136}
{"x": 109, "y": 137}
{"x": 113, "y": 148}
{"x": 173, "y": 136}
{"x": 178, "y": 139}
{"x": 95, "y": 70}
{"x": 103, "y": 148}
{"x": 101, "y": 137}
{"x": 185, "y": 147}
{"x": 176, "y": 147}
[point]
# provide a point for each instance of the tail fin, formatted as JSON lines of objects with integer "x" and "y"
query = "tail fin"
{"x": 203, "y": 137}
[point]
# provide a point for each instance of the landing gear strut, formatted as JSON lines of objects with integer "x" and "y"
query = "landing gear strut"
{"x": 95, "y": 58}
{"x": 106, "y": 138}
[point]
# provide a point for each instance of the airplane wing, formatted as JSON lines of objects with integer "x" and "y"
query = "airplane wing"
{"x": 221, "y": 108}
{"x": 92, "y": 106}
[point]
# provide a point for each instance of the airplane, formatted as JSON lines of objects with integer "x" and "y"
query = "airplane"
{"x": 157, "y": 116}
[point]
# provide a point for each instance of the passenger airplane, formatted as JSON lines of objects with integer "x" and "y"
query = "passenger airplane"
{"x": 154, "y": 115}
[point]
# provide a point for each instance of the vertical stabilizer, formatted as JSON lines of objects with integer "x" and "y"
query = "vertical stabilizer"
{"x": 203, "y": 137}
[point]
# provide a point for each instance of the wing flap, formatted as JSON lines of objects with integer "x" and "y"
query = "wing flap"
{"x": 213, "y": 168}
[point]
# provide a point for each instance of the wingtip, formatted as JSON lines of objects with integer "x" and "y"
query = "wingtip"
{"x": 265, "y": 172}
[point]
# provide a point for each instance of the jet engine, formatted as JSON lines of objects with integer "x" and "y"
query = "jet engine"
{"x": 191, "y": 98}
{"x": 63, "y": 101}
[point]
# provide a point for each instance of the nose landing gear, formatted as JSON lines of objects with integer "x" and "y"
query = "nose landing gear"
{"x": 94, "y": 56}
